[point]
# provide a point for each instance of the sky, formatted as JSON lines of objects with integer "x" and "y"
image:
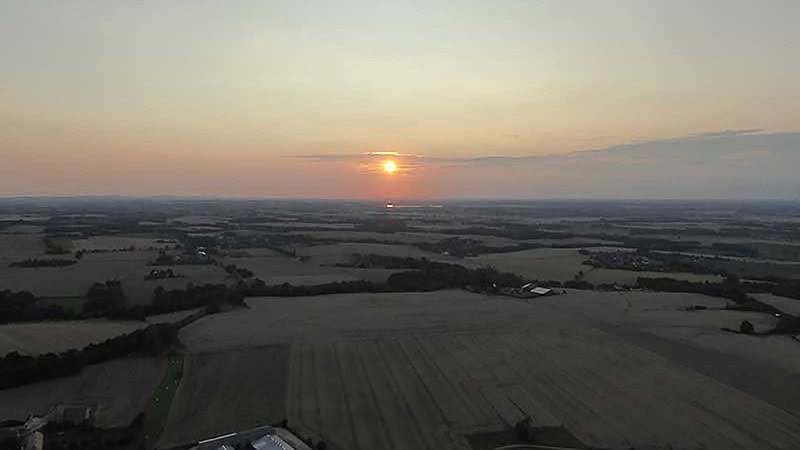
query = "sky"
{"x": 470, "y": 99}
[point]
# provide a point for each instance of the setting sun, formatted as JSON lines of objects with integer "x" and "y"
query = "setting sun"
{"x": 389, "y": 166}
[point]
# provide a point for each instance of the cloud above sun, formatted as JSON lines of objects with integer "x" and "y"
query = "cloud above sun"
{"x": 709, "y": 165}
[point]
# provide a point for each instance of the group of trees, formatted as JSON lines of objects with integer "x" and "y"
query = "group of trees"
{"x": 207, "y": 295}
{"x": 22, "y": 306}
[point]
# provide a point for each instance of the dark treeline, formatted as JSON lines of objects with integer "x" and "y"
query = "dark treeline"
{"x": 44, "y": 262}
{"x": 207, "y": 295}
{"x": 108, "y": 300}
{"x": 17, "y": 370}
{"x": 426, "y": 276}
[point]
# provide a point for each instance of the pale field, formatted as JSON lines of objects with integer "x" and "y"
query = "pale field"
{"x": 294, "y": 224}
{"x": 588, "y": 242}
{"x": 341, "y": 252}
{"x": 14, "y": 247}
{"x": 36, "y": 338}
{"x": 558, "y": 264}
{"x": 628, "y": 277}
{"x": 117, "y": 242}
{"x": 199, "y": 220}
{"x": 128, "y": 267}
{"x": 171, "y": 317}
{"x": 279, "y": 320}
{"x": 119, "y": 388}
{"x": 664, "y": 315}
{"x": 554, "y": 264}
{"x": 225, "y": 392}
{"x": 281, "y": 269}
{"x": 406, "y": 237}
{"x": 331, "y": 254}
{"x": 423, "y": 392}
{"x": 787, "y": 305}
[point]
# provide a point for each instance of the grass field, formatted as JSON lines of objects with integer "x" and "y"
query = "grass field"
{"x": 628, "y": 277}
{"x": 557, "y": 264}
{"x": 541, "y": 263}
{"x": 224, "y": 392}
{"x": 53, "y": 337}
{"x": 120, "y": 389}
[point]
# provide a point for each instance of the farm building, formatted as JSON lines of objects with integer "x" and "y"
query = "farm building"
{"x": 261, "y": 438}
{"x": 541, "y": 291}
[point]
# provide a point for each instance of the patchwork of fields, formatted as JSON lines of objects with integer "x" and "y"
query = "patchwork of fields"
{"x": 130, "y": 267}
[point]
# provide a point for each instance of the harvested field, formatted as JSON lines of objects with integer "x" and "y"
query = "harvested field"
{"x": 54, "y": 337}
{"x": 274, "y": 320}
{"x": 426, "y": 392}
{"x": 628, "y": 277}
{"x": 225, "y": 392}
{"x": 120, "y": 389}
{"x": 420, "y": 370}
{"x": 116, "y": 242}
{"x": 664, "y": 315}
{"x": 787, "y": 305}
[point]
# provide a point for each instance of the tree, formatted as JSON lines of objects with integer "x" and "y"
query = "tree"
{"x": 746, "y": 327}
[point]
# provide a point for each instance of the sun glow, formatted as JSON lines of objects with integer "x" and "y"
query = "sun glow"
{"x": 389, "y": 166}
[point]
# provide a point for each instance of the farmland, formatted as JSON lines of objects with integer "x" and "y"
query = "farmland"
{"x": 54, "y": 337}
{"x": 469, "y": 362}
{"x": 423, "y": 392}
{"x": 128, "y": 267}
{"x": 120, "y": 390}
{"x": 212, "y": 400}
{"x": 609, "y": 359}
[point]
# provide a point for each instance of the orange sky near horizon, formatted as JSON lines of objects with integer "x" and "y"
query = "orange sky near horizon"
{"x": 231, "y": 99}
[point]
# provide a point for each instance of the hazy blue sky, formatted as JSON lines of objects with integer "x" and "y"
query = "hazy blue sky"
{"x": 284, "y": 98}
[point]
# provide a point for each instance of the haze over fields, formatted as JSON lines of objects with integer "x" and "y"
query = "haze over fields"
{"x": 509, "y": 99}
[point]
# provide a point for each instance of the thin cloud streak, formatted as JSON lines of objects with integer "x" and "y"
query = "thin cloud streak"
{"x": 607, "y": 154}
